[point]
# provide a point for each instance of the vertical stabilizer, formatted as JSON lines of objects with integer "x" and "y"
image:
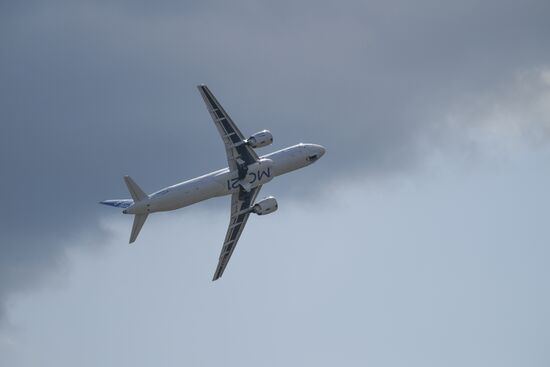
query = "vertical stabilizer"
{"x": 136, "y": 192}
{"x": 139, "y": 219}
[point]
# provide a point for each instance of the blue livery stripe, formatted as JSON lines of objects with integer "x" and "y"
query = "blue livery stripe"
{"x": 118, "y": 203}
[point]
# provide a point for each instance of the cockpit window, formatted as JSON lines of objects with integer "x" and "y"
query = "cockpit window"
{"x": 312, "y": 158}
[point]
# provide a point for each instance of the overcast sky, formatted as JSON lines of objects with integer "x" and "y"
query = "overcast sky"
{"x": 421, "y": 238}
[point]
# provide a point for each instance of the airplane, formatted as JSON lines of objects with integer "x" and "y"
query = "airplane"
{"x": 242, "y": 179}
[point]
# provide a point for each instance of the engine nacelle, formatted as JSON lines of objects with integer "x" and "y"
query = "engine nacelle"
{"x": 260, "y": 139}
{"x": 265, "y": 206}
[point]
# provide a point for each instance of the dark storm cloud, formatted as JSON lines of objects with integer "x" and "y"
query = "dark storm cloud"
{"x": 94, "y": 90}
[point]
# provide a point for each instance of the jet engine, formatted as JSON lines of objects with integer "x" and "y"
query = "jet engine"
{"x": 260, "y": 139}
{"x": 265, "y": 206}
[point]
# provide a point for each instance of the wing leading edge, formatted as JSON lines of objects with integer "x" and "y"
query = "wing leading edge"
{"x": 238, "y": 152}
{"x": 240, "y": 201}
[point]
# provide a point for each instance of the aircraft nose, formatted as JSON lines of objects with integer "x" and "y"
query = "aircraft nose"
{"x": 319, "y": 150}
{"x": 322, "y": 150}
{"x": 315, "y": 152}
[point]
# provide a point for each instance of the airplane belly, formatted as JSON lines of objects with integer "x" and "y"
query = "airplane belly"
{"x": 187, "y": 195}
{"x": 257, "y": 174}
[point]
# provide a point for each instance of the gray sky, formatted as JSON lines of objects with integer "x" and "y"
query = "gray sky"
{"x": 419, "y": 239}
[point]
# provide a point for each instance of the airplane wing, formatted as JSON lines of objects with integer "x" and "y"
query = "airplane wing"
{"x": 239, "y": 154}
{"x": 240, "y": 201}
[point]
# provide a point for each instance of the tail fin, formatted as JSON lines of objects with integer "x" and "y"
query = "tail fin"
{"x": 118, "y": 203}
{"x": 136, "y": 192}
{"x": 139, "y": 219}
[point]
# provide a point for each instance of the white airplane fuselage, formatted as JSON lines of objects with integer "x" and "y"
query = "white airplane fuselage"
{"x": 224, "y": 182}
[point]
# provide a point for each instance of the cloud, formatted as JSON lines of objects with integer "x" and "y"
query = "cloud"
{"x": 496, "y": 125}
{"x": 413, "y": 272}
{"x": 518, "y": 114}
{"x": 95, "y": 90}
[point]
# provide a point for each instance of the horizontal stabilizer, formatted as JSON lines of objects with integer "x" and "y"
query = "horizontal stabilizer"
{"x": 118, "y": 203}
{"x": 136, "y": 192}
{"x": 139, "y": 219}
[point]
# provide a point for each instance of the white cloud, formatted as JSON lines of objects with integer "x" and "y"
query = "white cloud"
{"x": 514, "y": 117}
{"x": 440, "y": 269}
